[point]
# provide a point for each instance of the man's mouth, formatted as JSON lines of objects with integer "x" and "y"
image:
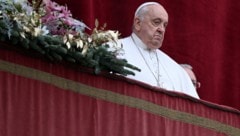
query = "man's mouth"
{"x": 158, "y": 37}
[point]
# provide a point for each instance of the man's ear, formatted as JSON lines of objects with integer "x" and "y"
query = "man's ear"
{"x": 137, "y": 24}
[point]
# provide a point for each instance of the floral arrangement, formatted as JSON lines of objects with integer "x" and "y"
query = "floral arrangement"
{"x": 49, "y": 28}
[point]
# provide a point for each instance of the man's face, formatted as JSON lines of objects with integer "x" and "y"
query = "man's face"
{"x": 192, "y": 77}
{"x": 151, "y": 28}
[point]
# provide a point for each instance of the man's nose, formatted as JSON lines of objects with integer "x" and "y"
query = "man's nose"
{"x": 161, "y": 28}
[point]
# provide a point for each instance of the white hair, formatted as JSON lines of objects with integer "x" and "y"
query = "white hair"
{"x": 141, "y": 8}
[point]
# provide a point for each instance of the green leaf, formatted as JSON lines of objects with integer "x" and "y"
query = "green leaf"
{"x": 97, "y": 70}
{"x": 56, "y": 56}
{"x": 61, "y": 50}
{"x": 70, "y": 59}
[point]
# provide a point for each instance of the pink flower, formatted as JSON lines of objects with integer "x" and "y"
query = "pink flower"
{"x": 52, "y": 6}
{"x": 58, "y": 19}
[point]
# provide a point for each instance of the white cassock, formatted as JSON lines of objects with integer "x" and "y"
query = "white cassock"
{"x": 157, "y": 68}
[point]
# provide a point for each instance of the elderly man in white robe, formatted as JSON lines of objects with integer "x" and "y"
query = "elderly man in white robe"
{"x": 141, "y": 49}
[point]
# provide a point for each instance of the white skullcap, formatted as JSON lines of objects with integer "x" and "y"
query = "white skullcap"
{"x": 145, "y": 4}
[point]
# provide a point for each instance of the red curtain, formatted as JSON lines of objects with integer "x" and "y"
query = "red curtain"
{"x": 203, "y": 33}
{"x": 41, "y": 98}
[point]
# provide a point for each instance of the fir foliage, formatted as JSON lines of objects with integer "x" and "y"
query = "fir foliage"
{"x": 99, "y": 57}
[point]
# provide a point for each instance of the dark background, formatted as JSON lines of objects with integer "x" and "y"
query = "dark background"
{"x": 203, "y": 33}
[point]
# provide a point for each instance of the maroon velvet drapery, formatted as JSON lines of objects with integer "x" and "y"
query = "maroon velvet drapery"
{"x": 41, "y": 98}
{"x": 203, "y": 33}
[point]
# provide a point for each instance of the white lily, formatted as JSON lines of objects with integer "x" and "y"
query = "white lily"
{"x": 85, "y": 48}
{"x": 79, "y": 43}
{"x": 113, "y": 34}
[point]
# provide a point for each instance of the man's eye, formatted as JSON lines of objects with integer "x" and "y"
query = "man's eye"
{"x": 156, "y": 22}
{"x": 165, "y": 25}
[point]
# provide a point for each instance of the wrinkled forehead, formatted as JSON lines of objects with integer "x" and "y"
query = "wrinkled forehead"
{"x": 157, "y": 11}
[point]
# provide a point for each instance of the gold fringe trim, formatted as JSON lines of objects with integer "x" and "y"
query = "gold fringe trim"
{"x": 118, "y": 98}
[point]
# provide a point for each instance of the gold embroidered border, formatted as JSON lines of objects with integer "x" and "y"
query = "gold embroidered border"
{"x": 118, "y": 98}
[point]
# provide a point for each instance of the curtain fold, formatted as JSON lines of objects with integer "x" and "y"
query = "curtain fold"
{"x": 42, "y": 98}
{"x": 202, "y": 33}
{"x": 49, "y": 99}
